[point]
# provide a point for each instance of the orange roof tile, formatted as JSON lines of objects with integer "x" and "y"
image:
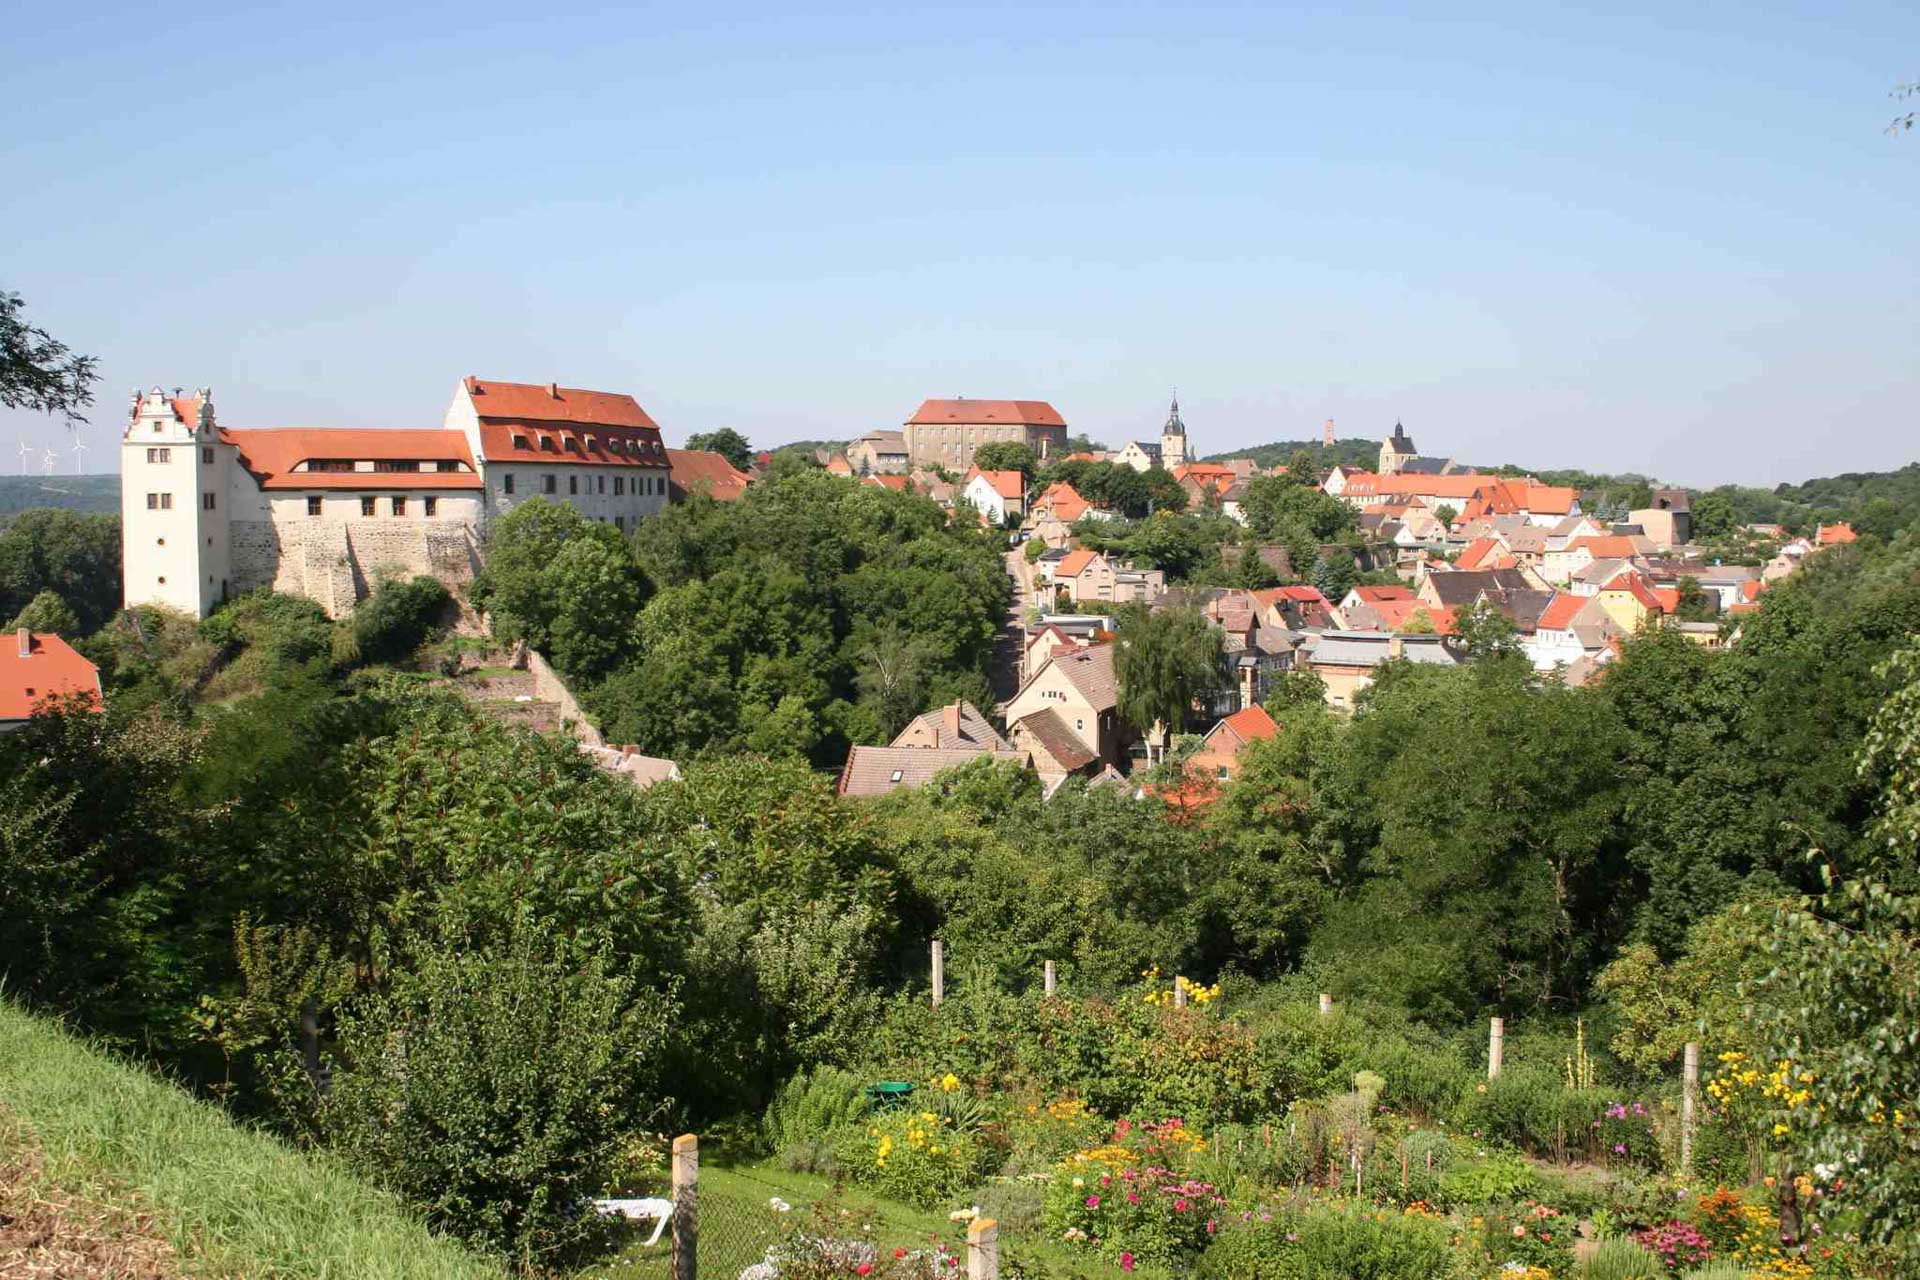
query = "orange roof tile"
{"x": 270, "y": 455}
{"x": 1477, "y": 553}
{"x": 1032, "y": 413}
{"x": 1395, "y": 615}
{"x": 1376, "y": 594}
{"x": 1611, "y": 546}
{"x": 1550, "y": 500}
{"x": 1064, "y": 501}
{"x": 1074, "y": 562}
{"x": 1831, "y": 535}
{"x": 1560, "y": 611}
{"x": 1635, "y": 584}
{"x": 899, "y": 484}
{"x": 703, "y": 471}
{"x": 1008, "y": 484}
{"x": 1251, "y": 723}
{"x": 528, "y": 402}
{"x": 49, "y": 668}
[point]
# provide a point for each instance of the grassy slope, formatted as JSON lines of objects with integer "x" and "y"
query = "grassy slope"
{"x": 231, "y": 1201}
{"x": 76, "y": 493}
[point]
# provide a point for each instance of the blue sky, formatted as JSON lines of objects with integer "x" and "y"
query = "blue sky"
{"x": 1673, "y": 239}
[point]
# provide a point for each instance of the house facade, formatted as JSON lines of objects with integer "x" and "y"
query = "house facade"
{"x": 945, "y": 433}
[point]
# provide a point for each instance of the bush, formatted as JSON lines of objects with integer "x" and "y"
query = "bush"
{"x": 1522, "y": 1106}
{"x": 495, "y": 1090}
{"x": 812, "y": 1106}
{"x": 1621, "y": 1260}
{"x": 395, "y": 620}
{"x": 916, "y": 1156}
{"x": 1134, "y": 1198}
{"x": 1347, "y": 1242}
{"x": 1529, "y": 1235}
{"x": 1496, "y": 1179}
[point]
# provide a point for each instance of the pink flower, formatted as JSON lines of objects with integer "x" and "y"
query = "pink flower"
{"x": 1209, "y": 1226}
{"x": 1106, "y": 1179}
{"x": 1093, "y": 1202}
{"x": 1179, "y": 1206}
{"x": 1126, "y": 1262}
{"x": 1132, "y": 1198}
{"x": 864, "y": 1269}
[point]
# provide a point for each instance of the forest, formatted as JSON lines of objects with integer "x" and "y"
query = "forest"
{"x": 287, "y": 848}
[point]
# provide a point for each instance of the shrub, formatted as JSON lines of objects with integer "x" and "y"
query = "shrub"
{"x": 1352, "y": 1240}
{"x": 914, "y": 1156}
{"x": 1620, "y": 1260}
{"x": 812, "y": 1105}
{"x": 1530, "y": 1235}
{"x": 1135, "y": 1197}
{"x": 1522, "y": 1106}
{"x": 1495, "y": 1179}
{"x": 1623, "y": 1134}
{"x": 1675, "y": 1244}
{"x": 399, "y": 615}
{"x": 495, "y": 1089}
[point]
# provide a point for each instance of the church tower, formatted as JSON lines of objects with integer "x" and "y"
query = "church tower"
{"x": 1396, "y": 451}
{"x": 1173, "y": 438}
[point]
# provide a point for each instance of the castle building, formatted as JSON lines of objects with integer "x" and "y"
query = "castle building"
{"x": 944, "y": 433}
{"x": 1399, "y": 457}
{"x": 209, "y": 511}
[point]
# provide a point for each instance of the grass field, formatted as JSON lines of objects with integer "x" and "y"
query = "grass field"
{"x": 230, "y": 1202}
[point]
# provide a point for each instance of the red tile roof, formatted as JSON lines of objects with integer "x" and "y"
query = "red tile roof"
{"x": 1008, "y": 484}
{"x": 527, "y": 402}
{"x": 899, "y": 484}
{"x": 1830, "y": 535}
{"x": 1064, "y": 501}
{"x": 599, "y": 428}
{"x": 1376, "y": 594}
{"x": 1075, "y": 561}
{"x": 1251, "y": 724}
{"x": 839, "y": 465}
{"x": 703, "y": 471}
{"x": 1612, "y": 546}
{"x": 1478, "y": 553}
{"x": 51, "y": 667}
{"x": 1032, "y": 413}
{"x": 1396, "y": 614}
{"x": 1635, "y": 584}
{"x": 1560, "y": 611}
{"x": 270, "y": 454}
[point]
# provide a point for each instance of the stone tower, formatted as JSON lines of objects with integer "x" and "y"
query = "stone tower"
{"x": 173, "y": 518}
{"x": 1173, "y": 438}
{"x": 1396, "y": 450}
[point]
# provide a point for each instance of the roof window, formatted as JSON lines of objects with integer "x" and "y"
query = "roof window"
{"x": 546, "y": 444}
{"x": 570, "y": 444}
{"x": 520, "y": 442}
{"x": 897, "y": 775}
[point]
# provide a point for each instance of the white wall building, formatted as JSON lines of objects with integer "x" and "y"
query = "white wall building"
{"x": 211, "y": 511}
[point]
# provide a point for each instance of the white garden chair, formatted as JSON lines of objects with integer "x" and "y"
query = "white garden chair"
{"x": 661, "y": 1211}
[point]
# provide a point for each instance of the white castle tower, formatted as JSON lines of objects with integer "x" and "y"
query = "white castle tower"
{"x": 173, "y": 489}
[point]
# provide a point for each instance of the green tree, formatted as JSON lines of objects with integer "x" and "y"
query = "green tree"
{"x": 37, "y": 372}
{"x": 47, "y": 612}
{"x": 1695, "y": 605}
{"x": 77, "y": 557}
{"x": 1300, "y": 687}
{"x": 1485, "y": 632}
{"x": 1303, "y": 470}
{"x": 1334, "y": 574}
{"x": 1167, "y": 665}
{"x": 496, "y": 1088}
{"x": 726, "y": 442}
{"x": 1007, "y": 455}
{"x": 1713, "y": 516}
{"x": 397, "y": 618}
{"x": 1446, "y": 514}
{"x": 596, "y": 593}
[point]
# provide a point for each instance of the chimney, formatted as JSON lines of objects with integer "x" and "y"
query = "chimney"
{"x": 949, "y": 722}
{"x": 553, "y": 389}
{"x": 26, "y": 643}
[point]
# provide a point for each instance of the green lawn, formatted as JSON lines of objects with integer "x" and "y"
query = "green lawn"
{"x": 232, "y": 1202}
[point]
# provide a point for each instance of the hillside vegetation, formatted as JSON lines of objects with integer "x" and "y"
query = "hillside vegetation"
{"x": 92, "y": 495}
{"x": 230, "y": 1202}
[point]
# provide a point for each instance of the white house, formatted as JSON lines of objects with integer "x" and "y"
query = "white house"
{"x": 999, "y": 495}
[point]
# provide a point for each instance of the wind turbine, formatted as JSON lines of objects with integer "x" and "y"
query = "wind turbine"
{"x": 53, "y": 460}
{"x": 25, "y": 449}
{"x": 79, "y": 448}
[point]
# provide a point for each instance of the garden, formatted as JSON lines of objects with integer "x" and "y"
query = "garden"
{"x": 1244, "y": 1133}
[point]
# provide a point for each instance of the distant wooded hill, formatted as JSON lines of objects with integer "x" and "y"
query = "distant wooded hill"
{"x": 74, "y": 493}
{"x": 1353, "y": 452}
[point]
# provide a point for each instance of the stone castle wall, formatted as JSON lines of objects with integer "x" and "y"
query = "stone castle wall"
{"x": 336, "y": 563}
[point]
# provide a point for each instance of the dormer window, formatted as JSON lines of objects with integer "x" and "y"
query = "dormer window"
{"x": 520, "y": 442}
{"x": 546, "y": 444}
{"x": 570, "y": 444}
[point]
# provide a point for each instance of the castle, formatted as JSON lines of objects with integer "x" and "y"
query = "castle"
{"x": 209, "y": 511}
{"x": 945, "y": 433}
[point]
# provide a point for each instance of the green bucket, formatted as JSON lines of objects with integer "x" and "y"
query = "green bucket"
{"x": 889, "y": 1094}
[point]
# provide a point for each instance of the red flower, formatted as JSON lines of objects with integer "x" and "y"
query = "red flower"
{"x": 1126, "y": 1262}
{"x": 899, "y": 1253}
{"x": 865, "y": 1268}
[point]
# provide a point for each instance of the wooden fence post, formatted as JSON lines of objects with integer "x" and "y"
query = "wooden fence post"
{"x": 686, "y": 1206}
{"x": 1496, "y": 1046}
{"x": 983, "y": 1249}
{"x": 1051, "y": 978}
{"x": 939, "y": 972}
{"x": 1179, "y": 992}
{"x": 1326, "y": 1004}
{"x": 1689, "y": 1088}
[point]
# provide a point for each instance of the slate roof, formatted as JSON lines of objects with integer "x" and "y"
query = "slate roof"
{"x": 1464, "y": 586}
{"x": 976, "y": 731}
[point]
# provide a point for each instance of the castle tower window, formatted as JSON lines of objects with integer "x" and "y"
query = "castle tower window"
{"x": 399, "y": 505}
{"x": 573, "y": 485}
{"x": 548, "y": 484}
{"x": 432, "y": 506}
{"x": 506, "y": 483}
{"x": 366, "y": 506}
{"x": 313, "y": 504}
{"x": 206, "y": 456}
{"x": 159, "y": 455}
{"x": 206, "y": 502}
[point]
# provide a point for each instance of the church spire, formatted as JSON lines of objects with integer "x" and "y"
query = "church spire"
{"x": 1175, "y": 427}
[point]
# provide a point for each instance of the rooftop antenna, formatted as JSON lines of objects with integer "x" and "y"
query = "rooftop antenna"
{"x": 79, "y": 449}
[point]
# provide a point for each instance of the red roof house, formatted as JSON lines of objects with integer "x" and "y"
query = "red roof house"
{"x": 36, "y": 666}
